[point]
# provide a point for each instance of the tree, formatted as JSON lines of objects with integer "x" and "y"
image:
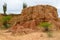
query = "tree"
{"x": 4, "y": 8}
{"x": 24, "y": 5}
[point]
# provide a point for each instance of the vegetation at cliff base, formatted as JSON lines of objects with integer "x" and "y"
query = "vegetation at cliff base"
{"x": 5, "y": 21}
{"x": 45, "y": 25}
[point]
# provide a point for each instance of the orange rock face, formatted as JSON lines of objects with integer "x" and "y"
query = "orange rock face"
{"x": 32, "y": 16}
{"x": 40, "y": 12}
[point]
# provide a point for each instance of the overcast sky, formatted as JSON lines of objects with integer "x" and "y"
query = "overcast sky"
{"x": 15, "y": 6}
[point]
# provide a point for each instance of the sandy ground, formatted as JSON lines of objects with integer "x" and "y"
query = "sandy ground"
{"x": 31, "y": 36}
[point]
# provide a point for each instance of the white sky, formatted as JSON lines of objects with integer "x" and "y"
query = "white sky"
{"x": 15, "y": 6}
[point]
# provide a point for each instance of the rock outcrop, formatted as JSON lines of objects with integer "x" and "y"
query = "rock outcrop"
{"x": 32, "y": 16}
{"x": 40, "y": 12}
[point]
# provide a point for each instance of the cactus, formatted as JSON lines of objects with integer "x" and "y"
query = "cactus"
{"x": 4, "y": 8}
{"x": 24, "y": 5}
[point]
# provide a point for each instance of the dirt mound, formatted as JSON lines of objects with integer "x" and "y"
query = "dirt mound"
{"x": 32, "y": 16}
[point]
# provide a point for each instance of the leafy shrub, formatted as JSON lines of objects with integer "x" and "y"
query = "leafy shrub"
{"x": 5, "y": 20}
{"x": 46, "y": 25}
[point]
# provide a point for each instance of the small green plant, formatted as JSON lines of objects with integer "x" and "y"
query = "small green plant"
{"x": 5, "y": 20}
{"x": 24, "y": 5}
{"x": 46, "y": 25}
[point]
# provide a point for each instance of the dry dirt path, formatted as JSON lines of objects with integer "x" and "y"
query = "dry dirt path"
{"x": 31, "y": 36}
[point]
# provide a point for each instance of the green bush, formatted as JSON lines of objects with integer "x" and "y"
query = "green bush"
{"x": 5, "y": 20}
{"x": 46, "y": 25}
